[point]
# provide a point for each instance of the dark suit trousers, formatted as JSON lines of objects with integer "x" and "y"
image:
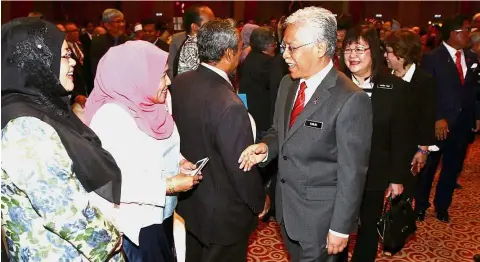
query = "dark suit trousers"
{"x": 154, "y": 244}
{"x": 307, "y": 252}
{"x": 366, "y": 245}
{"x": 197, "y": 252}
{"x": 453, "y": 150}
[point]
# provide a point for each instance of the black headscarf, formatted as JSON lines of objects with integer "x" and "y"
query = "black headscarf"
{"x": 31, "y": 55}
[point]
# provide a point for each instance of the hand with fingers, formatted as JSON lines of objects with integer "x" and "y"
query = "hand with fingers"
{"x": 441, "y": 129}
{"x": 395, "y": 190}
{"x": 336, "y": 244}
{"x": 266, "y": 208}
{"x": 182, "y": 183}
{"x": 253, "y": 155}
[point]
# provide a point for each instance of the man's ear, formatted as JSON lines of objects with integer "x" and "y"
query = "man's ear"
{"x": 321, "y": 49}
{"x": 194, "y": 28}
{"x": 229, "y": 55}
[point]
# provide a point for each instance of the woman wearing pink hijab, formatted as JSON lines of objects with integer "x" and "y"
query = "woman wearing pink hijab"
{"x": 130, "y": 111}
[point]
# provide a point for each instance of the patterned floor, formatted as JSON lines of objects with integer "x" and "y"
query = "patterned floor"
{"x": 434, "y": 241}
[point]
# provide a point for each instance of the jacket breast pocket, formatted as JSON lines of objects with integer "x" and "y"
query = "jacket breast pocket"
{"x": 320, "y": 193}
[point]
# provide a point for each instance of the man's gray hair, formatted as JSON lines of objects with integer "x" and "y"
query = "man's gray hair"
{"x": 215, "y": 37}
{"x": 110, "y": 13}
{"x": 322, "y": 23}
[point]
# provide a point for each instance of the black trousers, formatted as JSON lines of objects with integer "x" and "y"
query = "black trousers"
{"x": 453, "y": 150}
{"x": 198, "y": 252}
{"x": 367, "y": 237}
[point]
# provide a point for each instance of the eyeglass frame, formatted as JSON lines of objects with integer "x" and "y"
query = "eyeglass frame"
{"x": 361, "y": 52}
{"x": 463, "y": 30}
{"x": 292, "y": 49}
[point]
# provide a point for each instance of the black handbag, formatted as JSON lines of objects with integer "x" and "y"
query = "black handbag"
{"x": 396, "y": 224}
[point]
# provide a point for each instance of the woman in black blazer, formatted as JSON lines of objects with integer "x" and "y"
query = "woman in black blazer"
{"x": 389, "y": 166}
{"x": 403, "y": 53}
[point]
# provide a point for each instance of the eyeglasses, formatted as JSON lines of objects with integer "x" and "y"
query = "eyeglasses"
{"x": 118, "y": 21}
{"x": 358, "y": 50}
{"x": 291, "y": 48}
{"x": 463, "y": 30}
{"x": 67, "y": 55}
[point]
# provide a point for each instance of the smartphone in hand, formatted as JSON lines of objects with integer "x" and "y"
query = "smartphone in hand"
{"x": 200, "y": 165}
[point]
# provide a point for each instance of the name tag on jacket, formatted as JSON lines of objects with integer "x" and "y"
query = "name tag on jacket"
{"x": 385, "y": 86}
{"x": 314, "y": 124}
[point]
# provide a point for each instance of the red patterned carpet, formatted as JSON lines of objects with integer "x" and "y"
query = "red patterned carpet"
{"x": 434, "y": 241}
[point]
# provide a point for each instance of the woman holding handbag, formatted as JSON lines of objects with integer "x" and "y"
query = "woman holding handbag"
{"x": 390, "y": 151}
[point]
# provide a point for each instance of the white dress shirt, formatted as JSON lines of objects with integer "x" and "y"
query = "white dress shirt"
{"x": 452, "y": 51}
{"x": 313, "y": 82}
{"x": 145, "y": 163}
{"x": 366, "y": 86}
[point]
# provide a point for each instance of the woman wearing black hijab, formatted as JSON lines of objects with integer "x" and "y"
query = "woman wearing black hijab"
{"x": 53, "y": 166}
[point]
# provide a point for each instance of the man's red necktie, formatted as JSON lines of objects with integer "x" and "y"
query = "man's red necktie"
{"x": 458, "y": 64}
{"x": 299, "y": 104}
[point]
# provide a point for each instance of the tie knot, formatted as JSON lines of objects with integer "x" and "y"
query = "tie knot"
{"x": 303, "y": 86}
{"x": 458, "y": 53}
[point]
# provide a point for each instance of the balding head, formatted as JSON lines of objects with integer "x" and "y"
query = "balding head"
{"x": 476, "y": 21}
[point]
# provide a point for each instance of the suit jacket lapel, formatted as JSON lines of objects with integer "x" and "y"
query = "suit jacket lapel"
{"x": 318, "y": 99}
{"x": 289, "y": 103}
{"x": 469, "y": 62}
{"x": 451, "y": 63}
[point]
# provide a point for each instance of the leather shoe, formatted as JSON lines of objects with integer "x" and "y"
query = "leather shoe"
{"x": 443, "y": 216}
{"x": 476, "y": 258}
{"x": 421, "y": 215}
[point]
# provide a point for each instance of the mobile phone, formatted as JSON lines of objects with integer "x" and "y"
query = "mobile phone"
{"x": 200, "y": 165}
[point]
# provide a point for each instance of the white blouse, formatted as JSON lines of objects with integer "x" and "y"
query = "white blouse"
{"x": 145, "y": 163}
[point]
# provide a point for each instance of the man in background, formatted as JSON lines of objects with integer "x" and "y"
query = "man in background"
{"x": 184, "y": 44}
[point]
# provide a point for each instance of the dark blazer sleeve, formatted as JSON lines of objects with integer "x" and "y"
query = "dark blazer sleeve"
{"x": 401, "y": 130}
{"x": 278, "y": 70}
{"x": 427, "y": 110}
{"x": 271, "y": 139}
{"x": 428, "y": 64}
{"x": 233, "y": 135}
{"x": 354, "y": 133}
{"x": 96, "y": 52}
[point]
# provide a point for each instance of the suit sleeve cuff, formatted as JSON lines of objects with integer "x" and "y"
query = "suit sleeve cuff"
{"x": 265, "y": 159}
{"x": 337, "y": 234}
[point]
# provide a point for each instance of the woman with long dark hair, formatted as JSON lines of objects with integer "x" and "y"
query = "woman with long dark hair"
{"x": 390, "y": 156}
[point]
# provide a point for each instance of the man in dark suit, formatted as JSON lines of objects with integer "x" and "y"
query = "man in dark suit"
{"x": 114, "y": 23}
{"x": 151, "y": 34}
{"x": 222, "y": 211}
{"x": 321, "y": 133}
{"x": 254, "y": 77}
{"x": 452, "y": 66}
{"x": 86, "y": 38}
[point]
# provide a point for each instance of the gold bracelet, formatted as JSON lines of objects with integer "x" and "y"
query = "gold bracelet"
{"x": 171, "y": 186}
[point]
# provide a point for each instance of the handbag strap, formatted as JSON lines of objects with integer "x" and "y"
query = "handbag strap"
{"x": 385, "y": 204}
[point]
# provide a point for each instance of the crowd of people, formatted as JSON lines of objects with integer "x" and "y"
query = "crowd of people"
{"x": 101, "y": 130}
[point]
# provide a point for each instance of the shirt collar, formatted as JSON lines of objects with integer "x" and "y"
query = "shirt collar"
{"x": 452, "y": 51}
{"x": 317, "y": 78}
{"x": 365, "y": 82}
{"x": 409, "y": 74}
{"x": 218, "y": 71}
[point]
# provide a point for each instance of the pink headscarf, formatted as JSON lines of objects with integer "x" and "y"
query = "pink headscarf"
{"x": 129, "y": 75}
